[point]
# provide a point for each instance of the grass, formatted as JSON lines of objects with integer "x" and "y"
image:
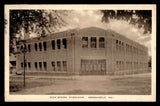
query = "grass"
{"x": 121, "y": 85}
{"x": 132, "y": 85}
{"x": 16, "y": 86}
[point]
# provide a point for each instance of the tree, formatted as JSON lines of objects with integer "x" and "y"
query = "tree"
{"x": 140, "y": 17}
{"x": 31, "y": 20}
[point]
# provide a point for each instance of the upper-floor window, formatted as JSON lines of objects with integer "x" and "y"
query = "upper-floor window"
{"x": 45, "y": 46}
{"x": 29, "y": 65}
{"x": 101, "y": 42}
{"x": 93, "y": 42}
{"x": 40, "y": 46}
{"x": 29, "y": 47}
{"x": 64, "y": 43}
{"x": 117, "y": 42}
{"x": 45, "y": 65}
{"x": 58, "y": 44}
{"x": 122, "y": 43}
{"x": 84, "y": 42}
{"x": 53, "y": 44}
{"x": 35, "y": 65}
{"x": 35, "y": 46}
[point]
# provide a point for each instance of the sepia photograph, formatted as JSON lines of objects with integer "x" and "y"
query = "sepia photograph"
{"x": 80, "y": 52}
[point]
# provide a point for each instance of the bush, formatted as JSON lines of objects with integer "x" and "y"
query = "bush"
{"x": 15, "y": 87}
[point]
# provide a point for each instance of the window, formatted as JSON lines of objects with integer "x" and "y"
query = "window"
{"x": 40, "y": 46}
{"x": 58, "y": 44}
{"x": 58, "y": 66}
{"x": 21, "y": 47}
{"x": 21, "y": 65}
{"x": 29, "y": 48}
{"x": 116, "y": 41}
{"x": 25, "y": 64}
{"x": 93, "y": 42}
{"x": 101, "y": 42}
{"x": 119, "y": 42}
{"x": 53, "y": 44}
{"x": 25, "y": 47}
{"x": 44, "y": 45}
{"x": 45, "y": 65}
{"x": 116, "y": 62}
{"x": 35, "y": 46}
{"x": 29, "y": 65}
{"x": 122, "y": 43}
{"x": 84, "y": 42}
{"x": 35, "y": 65}
{"x": 64, "y": 65}
{"x": 40, "y": 65}
{"x": 64, "y": 43}
{"x": 53, "y": 65}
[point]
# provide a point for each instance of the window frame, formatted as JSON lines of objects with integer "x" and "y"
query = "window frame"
{"x": 45, "y": 65}
{"x": 64, "y": 43}
{"x": 101, "y": 42}
{"x": 59, "y": 44}
{"x": 29, "y": 48}
{"x": 93, "y": 42}
{"x": 36, "y": 46}
{"x": 53, "y": 44}
{"x": 40, "y": 46}
{"x": 84, "y": 42}
{"x": 45, "y": 46}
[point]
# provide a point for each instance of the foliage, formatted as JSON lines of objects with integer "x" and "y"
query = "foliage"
{"x": 31, "y": 20}
{"x": 140, "y": 17}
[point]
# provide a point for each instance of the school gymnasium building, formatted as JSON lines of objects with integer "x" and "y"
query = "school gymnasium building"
{"x": 86, "y": 51}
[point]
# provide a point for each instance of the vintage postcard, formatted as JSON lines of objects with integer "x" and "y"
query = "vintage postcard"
{"x": 80, "y": 53}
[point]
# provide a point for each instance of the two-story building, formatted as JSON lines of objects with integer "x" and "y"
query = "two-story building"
{"x": 85, "y": 51}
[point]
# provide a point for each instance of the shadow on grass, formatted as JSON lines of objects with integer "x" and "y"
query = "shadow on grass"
{"x": 14, "y": 86}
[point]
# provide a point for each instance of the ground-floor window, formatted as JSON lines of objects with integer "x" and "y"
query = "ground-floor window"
{"x": 35, "y": 64}
{"x": 58, "y": 66}
{"x": 21, "y": 65}
{"x": 45, "y": 65}
{"x": 29, "y": 65}
{"x": 25, "y": 64}
{"x": 64, "y": 65}
{"x": 40, "y": 65}
{"x": 53, "y": 66}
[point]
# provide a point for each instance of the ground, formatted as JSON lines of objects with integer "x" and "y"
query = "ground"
{"x": 137, "y": 84}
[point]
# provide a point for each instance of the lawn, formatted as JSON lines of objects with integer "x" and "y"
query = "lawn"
{"x": 138, "y": 84}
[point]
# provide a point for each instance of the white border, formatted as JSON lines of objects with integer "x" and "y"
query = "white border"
{"x": 137, "y": 98}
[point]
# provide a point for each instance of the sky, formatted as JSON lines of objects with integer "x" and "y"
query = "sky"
{"x": 87, "y": 18}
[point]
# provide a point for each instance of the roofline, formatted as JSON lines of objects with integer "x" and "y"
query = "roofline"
{"x": 76, "y": 29}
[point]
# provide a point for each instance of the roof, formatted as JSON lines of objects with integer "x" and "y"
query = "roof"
{"x": 81, "y": 31}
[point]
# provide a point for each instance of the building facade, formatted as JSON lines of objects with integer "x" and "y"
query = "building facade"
{"x": 84, "y": 51}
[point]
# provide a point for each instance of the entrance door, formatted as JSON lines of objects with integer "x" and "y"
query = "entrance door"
{"x": 93, "y": 67}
